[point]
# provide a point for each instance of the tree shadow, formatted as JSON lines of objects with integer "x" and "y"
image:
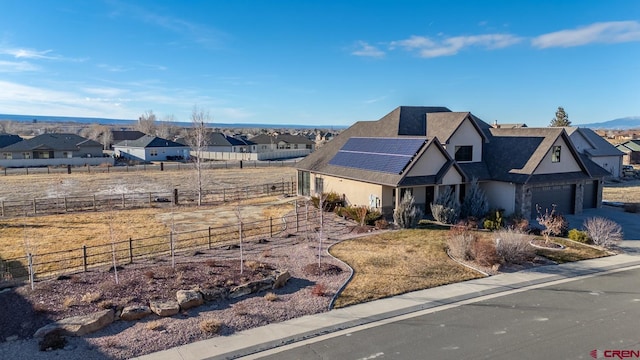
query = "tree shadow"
{"x": 20, "y": 318}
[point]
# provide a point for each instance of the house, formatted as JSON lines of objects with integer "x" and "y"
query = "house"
{"x": 151, "y": 148}
{"x": 9, "y": 139}
{"x": 266, "y": 143}
{"x": 426, "y": 149}
{"x": 124, "y": 135}
{"x": 631, "y": 151}
{"x": 53, "y": 149}
{"x": 219, "y": 142}
{"x": 599, "y": 150}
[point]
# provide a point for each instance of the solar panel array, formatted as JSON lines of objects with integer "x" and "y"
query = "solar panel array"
{"x": 388, "y": 155}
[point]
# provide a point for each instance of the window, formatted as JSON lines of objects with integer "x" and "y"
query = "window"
{"x": 319, "y": 185}
{"x": 68, "y": 155}
{"x": 464, "y": 153}
{"x": 153, "y": 152}
{"x": 308, "y": 146}
{"x": 26, "y": 155}
{"x": 303, "y": 183}
{"x": 555, "y": 154}
{"x": 7, "y": 155}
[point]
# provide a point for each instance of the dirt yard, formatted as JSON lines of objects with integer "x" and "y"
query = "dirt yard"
{"x": 25, "y": 187}
{"x": 623, "y": 191}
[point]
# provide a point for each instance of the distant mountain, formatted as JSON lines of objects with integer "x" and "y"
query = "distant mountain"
{"x": 105, "y": 121}
{"x": 626, "y": 123}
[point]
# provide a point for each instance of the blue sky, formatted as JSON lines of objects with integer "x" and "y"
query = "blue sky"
{"x": 320, "y": 62}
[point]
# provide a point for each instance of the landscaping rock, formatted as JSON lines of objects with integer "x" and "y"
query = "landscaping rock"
{"x": 165, "y": 308}
{"x": 214, "y": 293}
{"x": 131, "y": 313}
{"x": 79, "y": 325}
{"x": 251, "y": 287}
{"x": 189, "y": 298}
{"x": 281, "y": 278}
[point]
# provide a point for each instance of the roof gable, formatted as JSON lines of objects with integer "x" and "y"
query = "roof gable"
{"x": 53, "y": 141}
{"x": 149, "y": 141}
{"x": 443, "y": 125}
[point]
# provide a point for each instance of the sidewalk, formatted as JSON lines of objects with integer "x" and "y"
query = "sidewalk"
{"x": 267, "y": 337}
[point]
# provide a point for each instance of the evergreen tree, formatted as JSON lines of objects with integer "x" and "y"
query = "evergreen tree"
{"x": 561, "y": 119}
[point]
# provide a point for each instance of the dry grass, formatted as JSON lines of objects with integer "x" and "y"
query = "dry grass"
{"x": 155, "y": 325}
{"x": 625, "y": 191}
{"x": 573, "y": 251}
{"x": 210, "y": 326}
{"x": 69, "y": 301}
{"x": 91, "y": 297}
{"x": 270, "y": 296}
{"x": 397, "y": 262}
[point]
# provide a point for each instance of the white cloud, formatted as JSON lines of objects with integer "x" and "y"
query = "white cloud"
{"x": 14, "y": 66}
{"x": 364, "y": 49}
{"x": 28, "y": 53}
{"x": 604, "y": 32}
{"x": 429, "y": 48}
{"x": 112, "y": 68}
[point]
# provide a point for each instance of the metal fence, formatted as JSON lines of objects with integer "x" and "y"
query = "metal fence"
{"x": 162, "y": 166}
{"x": 58, "y": 205}
{"x": 128, "y": 251}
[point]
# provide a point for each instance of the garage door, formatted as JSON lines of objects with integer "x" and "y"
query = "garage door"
{"x": 560, "y": 195}
{"x": 590, "y": 195}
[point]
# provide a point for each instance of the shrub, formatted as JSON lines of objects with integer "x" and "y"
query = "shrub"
{"x": 406, "y": 215}
{"x": 513, "y": 246}
{"x": 270, "y": 296}
{"x": 381, "y": 224}
{"x": 579, "y": 236}
{"x": 331, "y": 201}
{"x": 554, "y": 224}
{"x": 446, "y": 208}
{"x": 359, "y": 213}
{"x": 91, "y": 297}
{"x": 460, "y": 242}
{"x": 210, "y": 326}
{"x": 603, "y": 232}
{"x": 52, "y": 341}
{"x": 475, "y": 203}
{"x": 518, "y": 222}
{"x": 319, "y": 289}
{"x": 484, "y": 253}
{"x": 494, "y": 220}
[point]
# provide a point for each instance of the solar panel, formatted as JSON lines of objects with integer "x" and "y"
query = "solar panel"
{"x": 388, "y": 155}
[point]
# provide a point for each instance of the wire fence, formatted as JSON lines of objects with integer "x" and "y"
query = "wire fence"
{"x": 73, "y": 260}
{"x": 162, "y": 166}
{"x": 59, "y": 205}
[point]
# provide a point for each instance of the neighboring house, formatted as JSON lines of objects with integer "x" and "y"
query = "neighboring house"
{"x": 425, "y": 149}
{"x": 267, "y": 143}
{"x": 125, "y": 135}
{"x": 219, "y": 142}
{"x": 631, "y": 150}
{"x": 8, "y": 139}
{"x": 599, "y": 150}
{"x": 151, "y": 148}
{"x": 53, "y": 149}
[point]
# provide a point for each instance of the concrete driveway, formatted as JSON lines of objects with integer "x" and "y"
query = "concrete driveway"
{"x": 630, "y": 223}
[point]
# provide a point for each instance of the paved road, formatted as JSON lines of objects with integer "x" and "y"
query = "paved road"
{"x": 563, "y": 321}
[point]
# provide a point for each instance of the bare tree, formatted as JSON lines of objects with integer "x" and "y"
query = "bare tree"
{"x": 198, "y": 140}
{"x": 165, "y": 127}
{"x": 147, "y": 123}
{"x": 106, "y": 137}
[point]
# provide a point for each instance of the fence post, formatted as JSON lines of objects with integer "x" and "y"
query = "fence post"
{"x": 35, "y": 211}
{"x": 175, "y": 196}
{"x": 149, "y": 199}
{"x": 84, "y": 258}
{"x": 65, "y": 204}
{"x": 130, "y": 251}
{"x": 94, "y": 202}
{"x": 31, "y": 272}
{"x": 295, "y": 203}
{"x": 283, "y": 187}
{"x": 2, "y": 205}
{"x": 271, "y": 226}
{"x": 209, "y": 238}
{"x": 123, "y": 205}
{"x": 173, "y": 259}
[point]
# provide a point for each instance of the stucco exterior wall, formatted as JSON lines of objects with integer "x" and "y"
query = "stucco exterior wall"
{"x": 567, "y": 162}
{"x": 429, "y": 163}
{"x": 501, "y": 195}
{"x": 356, "y": 192}
{"x": 452, "y": 177}
{"x": 612, "y": 164}
{"x": 465, "y": 135}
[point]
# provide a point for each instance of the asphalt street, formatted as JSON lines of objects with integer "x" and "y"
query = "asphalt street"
{"x": 562, "y": 321}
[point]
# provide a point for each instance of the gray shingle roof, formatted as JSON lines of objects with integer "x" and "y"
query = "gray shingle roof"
{"x": 601, "y": 147}
{"x": 149, "y": 141}
{"x": 121, "y": 135}
{"x": 8, "y": 139}
{"x": 60, "y": 142}
{"x": 287, "y": 138}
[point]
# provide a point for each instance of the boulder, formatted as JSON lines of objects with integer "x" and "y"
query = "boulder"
{"x": 164, "y": 308}
{"x": 281, "y": 278}
{"x": 251, "y": 287}
{"x": 79, "y": 325}
{"x": 214, "y": 293}
{"x": 189, "y": 298}
{"x": 135, "y": 312}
